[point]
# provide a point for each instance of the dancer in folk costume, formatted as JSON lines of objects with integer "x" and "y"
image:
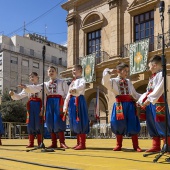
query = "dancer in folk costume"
{"x": 75, "y": 105}
{"x": 34, "y": 114}
{"x": 1, "y": 129}
{"x": 153, "y": 106}
{"x": 55, "y": 90}
{"x": 124, "y": 120}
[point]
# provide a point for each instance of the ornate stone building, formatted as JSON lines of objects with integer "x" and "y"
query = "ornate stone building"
{"x": 107, "y": 27}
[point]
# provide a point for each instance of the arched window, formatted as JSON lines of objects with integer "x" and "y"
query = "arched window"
{"x": 92, "y": 21}
{"x": 92, "y": 25}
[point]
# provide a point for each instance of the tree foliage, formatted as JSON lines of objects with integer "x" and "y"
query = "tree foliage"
{"x": 12, "y": 111}
{"x": 6, "y": 96}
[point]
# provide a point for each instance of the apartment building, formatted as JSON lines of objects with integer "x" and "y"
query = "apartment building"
{"x": 19, "y": 56}
{"x": 107, "y": 28}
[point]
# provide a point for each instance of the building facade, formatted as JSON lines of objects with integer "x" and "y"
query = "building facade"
{"x": 106, "y": 28}
{"x": 20, "y": 56}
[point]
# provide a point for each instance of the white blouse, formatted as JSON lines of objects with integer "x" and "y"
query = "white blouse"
{"x": 24, "y": 94}
{"x": 157, "y": 89}
{"x": 112, "y": 85}
{"x": 79, "y": 85}
{"x": 58, "y": 87}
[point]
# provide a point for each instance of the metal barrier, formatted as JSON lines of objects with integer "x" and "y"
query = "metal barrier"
{"x": 14, "y": 130}
{"x": 104, "y": 131}
{"x": 19, "y": 130}
{"x": 144, "y": 131}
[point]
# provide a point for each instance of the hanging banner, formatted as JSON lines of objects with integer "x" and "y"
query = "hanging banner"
{"x": 138, "y": 56}
{"x": 88, "y": 64}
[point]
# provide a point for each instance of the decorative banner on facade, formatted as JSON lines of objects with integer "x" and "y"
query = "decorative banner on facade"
{"x": 88, "y": 64}
{"x": 138, "y": 56}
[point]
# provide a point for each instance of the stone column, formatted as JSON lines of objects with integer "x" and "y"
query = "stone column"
{"x": 116, "y": 27}
{"x": 71, "y": 21}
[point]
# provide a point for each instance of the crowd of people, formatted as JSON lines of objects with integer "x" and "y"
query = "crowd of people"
{"x": 61, "y": 100}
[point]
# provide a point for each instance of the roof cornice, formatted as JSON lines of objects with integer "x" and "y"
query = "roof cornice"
{"x": 72, "y": 3}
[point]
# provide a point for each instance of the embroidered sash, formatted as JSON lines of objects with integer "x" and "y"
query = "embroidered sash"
{"x": 77, "y": 104}
{"x": 160, "y": 110}
{"x": 119, "y": 108}
{"x": 160, "y": 104}
{"x": 142, "y": 112}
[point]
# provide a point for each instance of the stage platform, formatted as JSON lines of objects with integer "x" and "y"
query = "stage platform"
{"x": 98, "y": 156}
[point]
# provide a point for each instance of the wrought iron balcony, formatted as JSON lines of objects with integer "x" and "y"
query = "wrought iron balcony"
{"x": 100, "y": 56}
{"x": 167, "y": 40}
{"x": 156, "y": 45}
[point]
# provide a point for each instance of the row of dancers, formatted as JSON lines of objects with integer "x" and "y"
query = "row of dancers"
{"x": 62, "y": 100}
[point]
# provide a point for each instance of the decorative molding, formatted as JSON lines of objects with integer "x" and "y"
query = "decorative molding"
{"x": 112, "y": 3}
{"x": 142, "y": 6}
{"x": 93, "y": 20}
{"x": 70, "y": 4}
{"x": 136, "y": 2}
{"x": 71, "y": 18}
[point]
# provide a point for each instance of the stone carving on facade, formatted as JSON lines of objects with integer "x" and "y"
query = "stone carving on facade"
{"x": 112, "y": 3}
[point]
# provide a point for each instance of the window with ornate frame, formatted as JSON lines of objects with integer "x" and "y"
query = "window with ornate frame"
{"x": 144, "y": 28}
{"x": 92, "y": 27}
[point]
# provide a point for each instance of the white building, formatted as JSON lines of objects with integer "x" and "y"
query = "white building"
{"x": 19, "y": 56}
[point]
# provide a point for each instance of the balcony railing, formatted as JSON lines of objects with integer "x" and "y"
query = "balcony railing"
{"x": 152, "y": 47}
{"x": 100, "y": 56}
{"x": 167, "y": 40}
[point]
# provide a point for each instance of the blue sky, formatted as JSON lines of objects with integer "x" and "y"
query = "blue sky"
{"x": 14, "y": 13}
